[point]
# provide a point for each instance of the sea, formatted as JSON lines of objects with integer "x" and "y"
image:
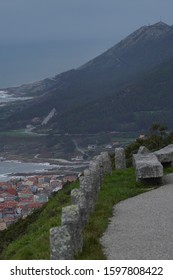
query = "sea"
{"x": 8, "y": 168}
{"x": 23, "y": 63}
{"x": 12, "y": 168}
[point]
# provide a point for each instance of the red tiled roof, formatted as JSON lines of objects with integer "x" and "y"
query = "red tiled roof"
{"x": 26, "y": 199}
{"x": 7, "y": 204}
{"x": 11, "y": 191}
{"x": 9, "y": 219}
{"x": 7, "y": 184}
{"x": 26, "y": 190}
{"x": 21, "y": 206}
{"x": 6, "y": 194}
{"x": 3, "y": 194}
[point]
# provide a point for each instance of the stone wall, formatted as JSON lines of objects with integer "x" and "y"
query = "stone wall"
{"x": 66, "y": 240}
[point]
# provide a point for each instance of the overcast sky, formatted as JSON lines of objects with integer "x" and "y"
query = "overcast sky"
{"x": 79, "y": 30}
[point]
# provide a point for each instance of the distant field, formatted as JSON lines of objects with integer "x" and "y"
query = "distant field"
{"x": 123, "y": 138}
{"x": 24, "y": 143}
{"x": 18, "y": 133}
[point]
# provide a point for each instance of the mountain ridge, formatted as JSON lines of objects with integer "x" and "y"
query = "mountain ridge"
{"x": 159, "y": 29}
{"x": 122, "y": 65}
{"x": 132, "y": 107}
{"x": 159, "y": 26}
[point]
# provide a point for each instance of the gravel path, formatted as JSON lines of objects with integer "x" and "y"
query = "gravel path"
{"x": 142, "y": 226}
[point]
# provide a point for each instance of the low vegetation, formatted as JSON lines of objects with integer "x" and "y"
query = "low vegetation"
{"x": 120, "y": 186}
{"x": 29, "y": 238}
{"x": 156, "y": 138}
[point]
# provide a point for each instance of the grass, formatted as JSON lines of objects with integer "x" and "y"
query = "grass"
{"x": 29, "y": 238}
{"x": 168, "y": 170}
{"x": 19, "y": 133}
{"x": 120, "y": 186}
{"x": 16, "y": 133}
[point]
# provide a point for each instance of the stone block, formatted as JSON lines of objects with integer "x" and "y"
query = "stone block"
{"x": 120, "y": 160}
{"x": 61, "y": 244}
{"x": 99, "y": 160}
{"x": 94, "y": 169}
{"x": 147, "y": 166}
{"x": 67, "y": 240}
{"x": 89, "y": 191}
{"x": 107, "y": 164}
{"x": 165, "y": 155}
{"x": 78, "y": 198}
{"x": 143, "y": 150}
{"x": 72, "y": 219}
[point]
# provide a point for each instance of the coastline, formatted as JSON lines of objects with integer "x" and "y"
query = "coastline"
{"x": 15, "y": 168}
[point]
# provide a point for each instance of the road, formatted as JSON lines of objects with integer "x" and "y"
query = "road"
{"x": 142, "y": 227}
{"x": 77, "y": 147}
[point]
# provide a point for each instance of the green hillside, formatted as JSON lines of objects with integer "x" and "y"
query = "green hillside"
{"x": 29, "y": 238}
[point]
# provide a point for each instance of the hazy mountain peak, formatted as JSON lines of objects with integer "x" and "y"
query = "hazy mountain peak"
{"x": 144, "y": 34}
{"x": 147, "y": 32}
{"x": 161, "y": 24}
{"x": 159, "y": 28}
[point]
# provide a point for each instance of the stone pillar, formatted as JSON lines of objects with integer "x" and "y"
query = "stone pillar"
{"x": 107, "y": 165}
{"x": 61, "y": 244}
{"x": 89, "y": 177}
{"x": 67, "y": 240}
{"x": 94, "y": 168}
{"x": 89, "y": 193}
{"x": 78, "y": 198}
{"x": 120, "y": 161}
{"x": 143, "y": 150}
{"x": 72, "y": 219}
{"x": 99, "y": 160}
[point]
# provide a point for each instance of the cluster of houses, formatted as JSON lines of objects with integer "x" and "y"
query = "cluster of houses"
{"x": 20, "y": 197}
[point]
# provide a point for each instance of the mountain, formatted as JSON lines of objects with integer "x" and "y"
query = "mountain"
{"x": 96, "y": 96}
{"x": 132, "y": 107}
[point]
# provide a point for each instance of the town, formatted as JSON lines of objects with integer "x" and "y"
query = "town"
{"x": 20, "y": 197}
